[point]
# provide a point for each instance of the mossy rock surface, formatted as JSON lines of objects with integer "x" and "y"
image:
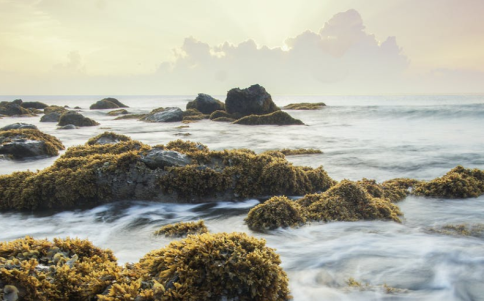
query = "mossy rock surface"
{"x": 277, "y": 212}
{"x": 305, "y": 106}
{"x": 458, "y": 183}
{"x": 297, "y": 151}
{"x": 14, "y": 108}
{"x": 75, "y": 118}
{"x": 26, "y": 143}
{"x": 349, "y": 201}
{"x": 182, "y": 229}
{"x": 118, "y": 112}
{"x": 107, "y": 138}
{"x": 58, "y": 109}
{"x": 276, "y": 118}
{"x": 130, "y": 116}
{"x": 107, "y": 103}
{"x": 220, "y": 114}
{"x": 395, "y": 190}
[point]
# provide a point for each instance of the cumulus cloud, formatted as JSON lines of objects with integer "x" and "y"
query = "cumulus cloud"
{"x": 341, "y": 53}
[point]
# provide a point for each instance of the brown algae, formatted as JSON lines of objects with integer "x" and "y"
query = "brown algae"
{"x": 182, "y": 229}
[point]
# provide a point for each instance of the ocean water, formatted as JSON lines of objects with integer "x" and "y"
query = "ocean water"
{"x": 376, "y": 137}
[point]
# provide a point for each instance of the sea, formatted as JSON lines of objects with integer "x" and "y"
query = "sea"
{"x": 373, "y": 137}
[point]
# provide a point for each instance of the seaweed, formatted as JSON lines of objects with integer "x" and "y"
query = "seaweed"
{"x": 220, "y": 114}
{"x": 182, "y": 229}
{"x": 275, "y": 118}
{"x": 52, "y": 145}
{"x": 305, "y": 106}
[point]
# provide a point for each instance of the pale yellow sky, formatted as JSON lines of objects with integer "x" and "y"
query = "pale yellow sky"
{"x": 97, "y": 46}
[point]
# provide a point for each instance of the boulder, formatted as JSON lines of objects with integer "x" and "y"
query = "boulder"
{"x": 51, "y": 117}
{"x": 206, "y": 104}
{"x": 276, "y": 118}
{"x": 159, "y": 158}
{"x": 34, "y": 105}
{"x": 57, "y": 109}
{"x": 107, "y": 138}
{"x": 107, "y": 103}
{"x": 27, "y": 143}
{"x": 170, "y": 114}
{"x": 75, "y": 118}
{"x": 13, "y": 108}
{"x": 18, "y": 125}
{"x": 249, "y": 101}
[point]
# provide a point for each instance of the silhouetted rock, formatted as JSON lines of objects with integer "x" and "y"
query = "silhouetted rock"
{"x": 72, "y": 117}
{"x": 107, "y": 103}
{"x": 249, "y": 101}
{"x": 205, "y": 104}
{"x": 170, "y": 114}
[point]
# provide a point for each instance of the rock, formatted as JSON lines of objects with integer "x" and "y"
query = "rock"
{"x": 75, "y": 118}
{"x": 68, "y": 127}
{"x": 107, "y": 103}
{"x": 107, "y": 138}
{"x": 34, "y": 105}
{"x": 182, "y": 229}
{"x": 170, "y": 114}
{"x": 51, "y": 117}
{"x": 118, "y": 112}
{"x": 27, "y": 143}
{"x": 51, "y": 109}
{"x": 276, "y": 118}
{"x": 13, "y": 108}
{"x": 206, "y": 104}
{"x": 158, "y": 158}
{"x": 18, "y": 125}
{"x": 223, "y": 119}
{"x": 77, "y": 108}
{"x": 249, "y": 101}
{"x": 130, "y": 116}
{"x": 218, "y": 114}
{"x": 194, "y": 115}
{"x": 305, "y": 106}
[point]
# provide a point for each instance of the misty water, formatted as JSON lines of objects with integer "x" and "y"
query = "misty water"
{"x": 376, "y": 137}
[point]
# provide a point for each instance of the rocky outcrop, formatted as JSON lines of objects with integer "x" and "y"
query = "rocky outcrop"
{"x": 28, "y": 143}
{"x": 13, "y": 108}
{"x": 170, "y": 114}
{"x": 107, "y": 103}
{"x": 250, "y": 101}
{"x": 205, "y": 104}
{"x": 160, "y": 158}
{"x": 276, "y": 118}
{"x": 75, "y": 118}
{"x": 18, "y": 126}
{"x": 51, "y": 117}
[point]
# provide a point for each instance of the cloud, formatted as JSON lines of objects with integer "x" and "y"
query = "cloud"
{"x": 340, "y": 53}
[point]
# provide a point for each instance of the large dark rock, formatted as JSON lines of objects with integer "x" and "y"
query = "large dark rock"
{"x": 159, "y": 158}
{"x": 107, "y": 103}
{"x": 170, "y": 114}
{"x": 206, "y": 104}
{"x": 75, "y": 118}
{"x": 34, "y": 105}
{"x": 250, "y": 101}
{"x": 13, "y": 108}
{"x": 51, "y": 117}
{"x": 18, "y": 125}
{"x": 276, "y": 118}
{"x": 27, "y": 143}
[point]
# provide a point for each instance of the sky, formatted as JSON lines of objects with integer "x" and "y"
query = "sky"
{"x": 305, "y": 47}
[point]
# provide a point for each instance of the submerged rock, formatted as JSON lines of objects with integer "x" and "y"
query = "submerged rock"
{"x": 182, "y": 229}
{"x": 205, "y": 104}
{"x": 458, "y": 183}
{"x": 305, "y": 106}
{"x": 170, "y": 114}
{"x": 75, "y": 118}
{"x": 28, "y": 143}
{"x": 250, "y": 101}
{"x": 107, "y": 103}
{"x": 18, "y": 126}
{"x": 13, "y": 108}
{"x": 276, "y": 118}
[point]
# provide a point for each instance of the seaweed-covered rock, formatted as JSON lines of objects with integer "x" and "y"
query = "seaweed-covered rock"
{"x": 250, "y": 101}
{"x": 28, "y": 143}
{"x": 220, "y": 113}
{"x": 118, "y": 112}
{"x": 51, "y": 109}
{"x": 349, "y": 201}
{"x": 205, "y": 104}
{"x": 75, "y": 118}
{"x": 194, "y": 114}
{"x": 107, "y": 138}
{"x": 217, "y": 267}
{"x": 51, "y": 117}
{"x": 107, "y": 103}
{"x": 182, "y": 229}
{"x": 275, "y": 213}
{"x": 170, "y": 114}
{"x": 305, "y": 106}
{"x": 34, "y": 105}
{"x": 130, "y": 116}
{"x": 66, "y": 269}
{"x": 18, "y": 126}
{"x": 299, "y": 151}
{"x": 13, "y": 108}
{"x": 276, "y": 118}
{"x": 458, "y": 183}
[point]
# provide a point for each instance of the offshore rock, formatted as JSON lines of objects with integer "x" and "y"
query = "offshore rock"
{"x": 170, "y": 114}
{"x": 13, "y": 108}
{"x": 276, "y": 118}
{"x": 250, "y": 101}
{"x": 206, "y": 104}
{"x": 51, "y": 109}
{"x": 158, "y": 158}
{"x": 75, "y": 118}
{"x": 28, "y": 143}
{"x": 118, "y": 112}
{"x": 107, "y": 103}
{"x": 17, "y": 126}
{"x": 34, "y": 105}
{"x": 51, "y": 117}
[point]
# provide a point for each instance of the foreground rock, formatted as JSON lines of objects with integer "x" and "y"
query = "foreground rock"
{"x": 250, "y": 101}
{"x": 276, "y": 118}
{"x": 28, "y": 143}
{"x": 13, "y": 108}
{"x": 94, "y": 174}
{"x": 206, "y": 104}
{"x": 107, "y": 103}
{"x": 18, "y": 126}
{"x": 170, "y": 114}
{"x": 75, "y": 118}
{"x": 305, "y": 106}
